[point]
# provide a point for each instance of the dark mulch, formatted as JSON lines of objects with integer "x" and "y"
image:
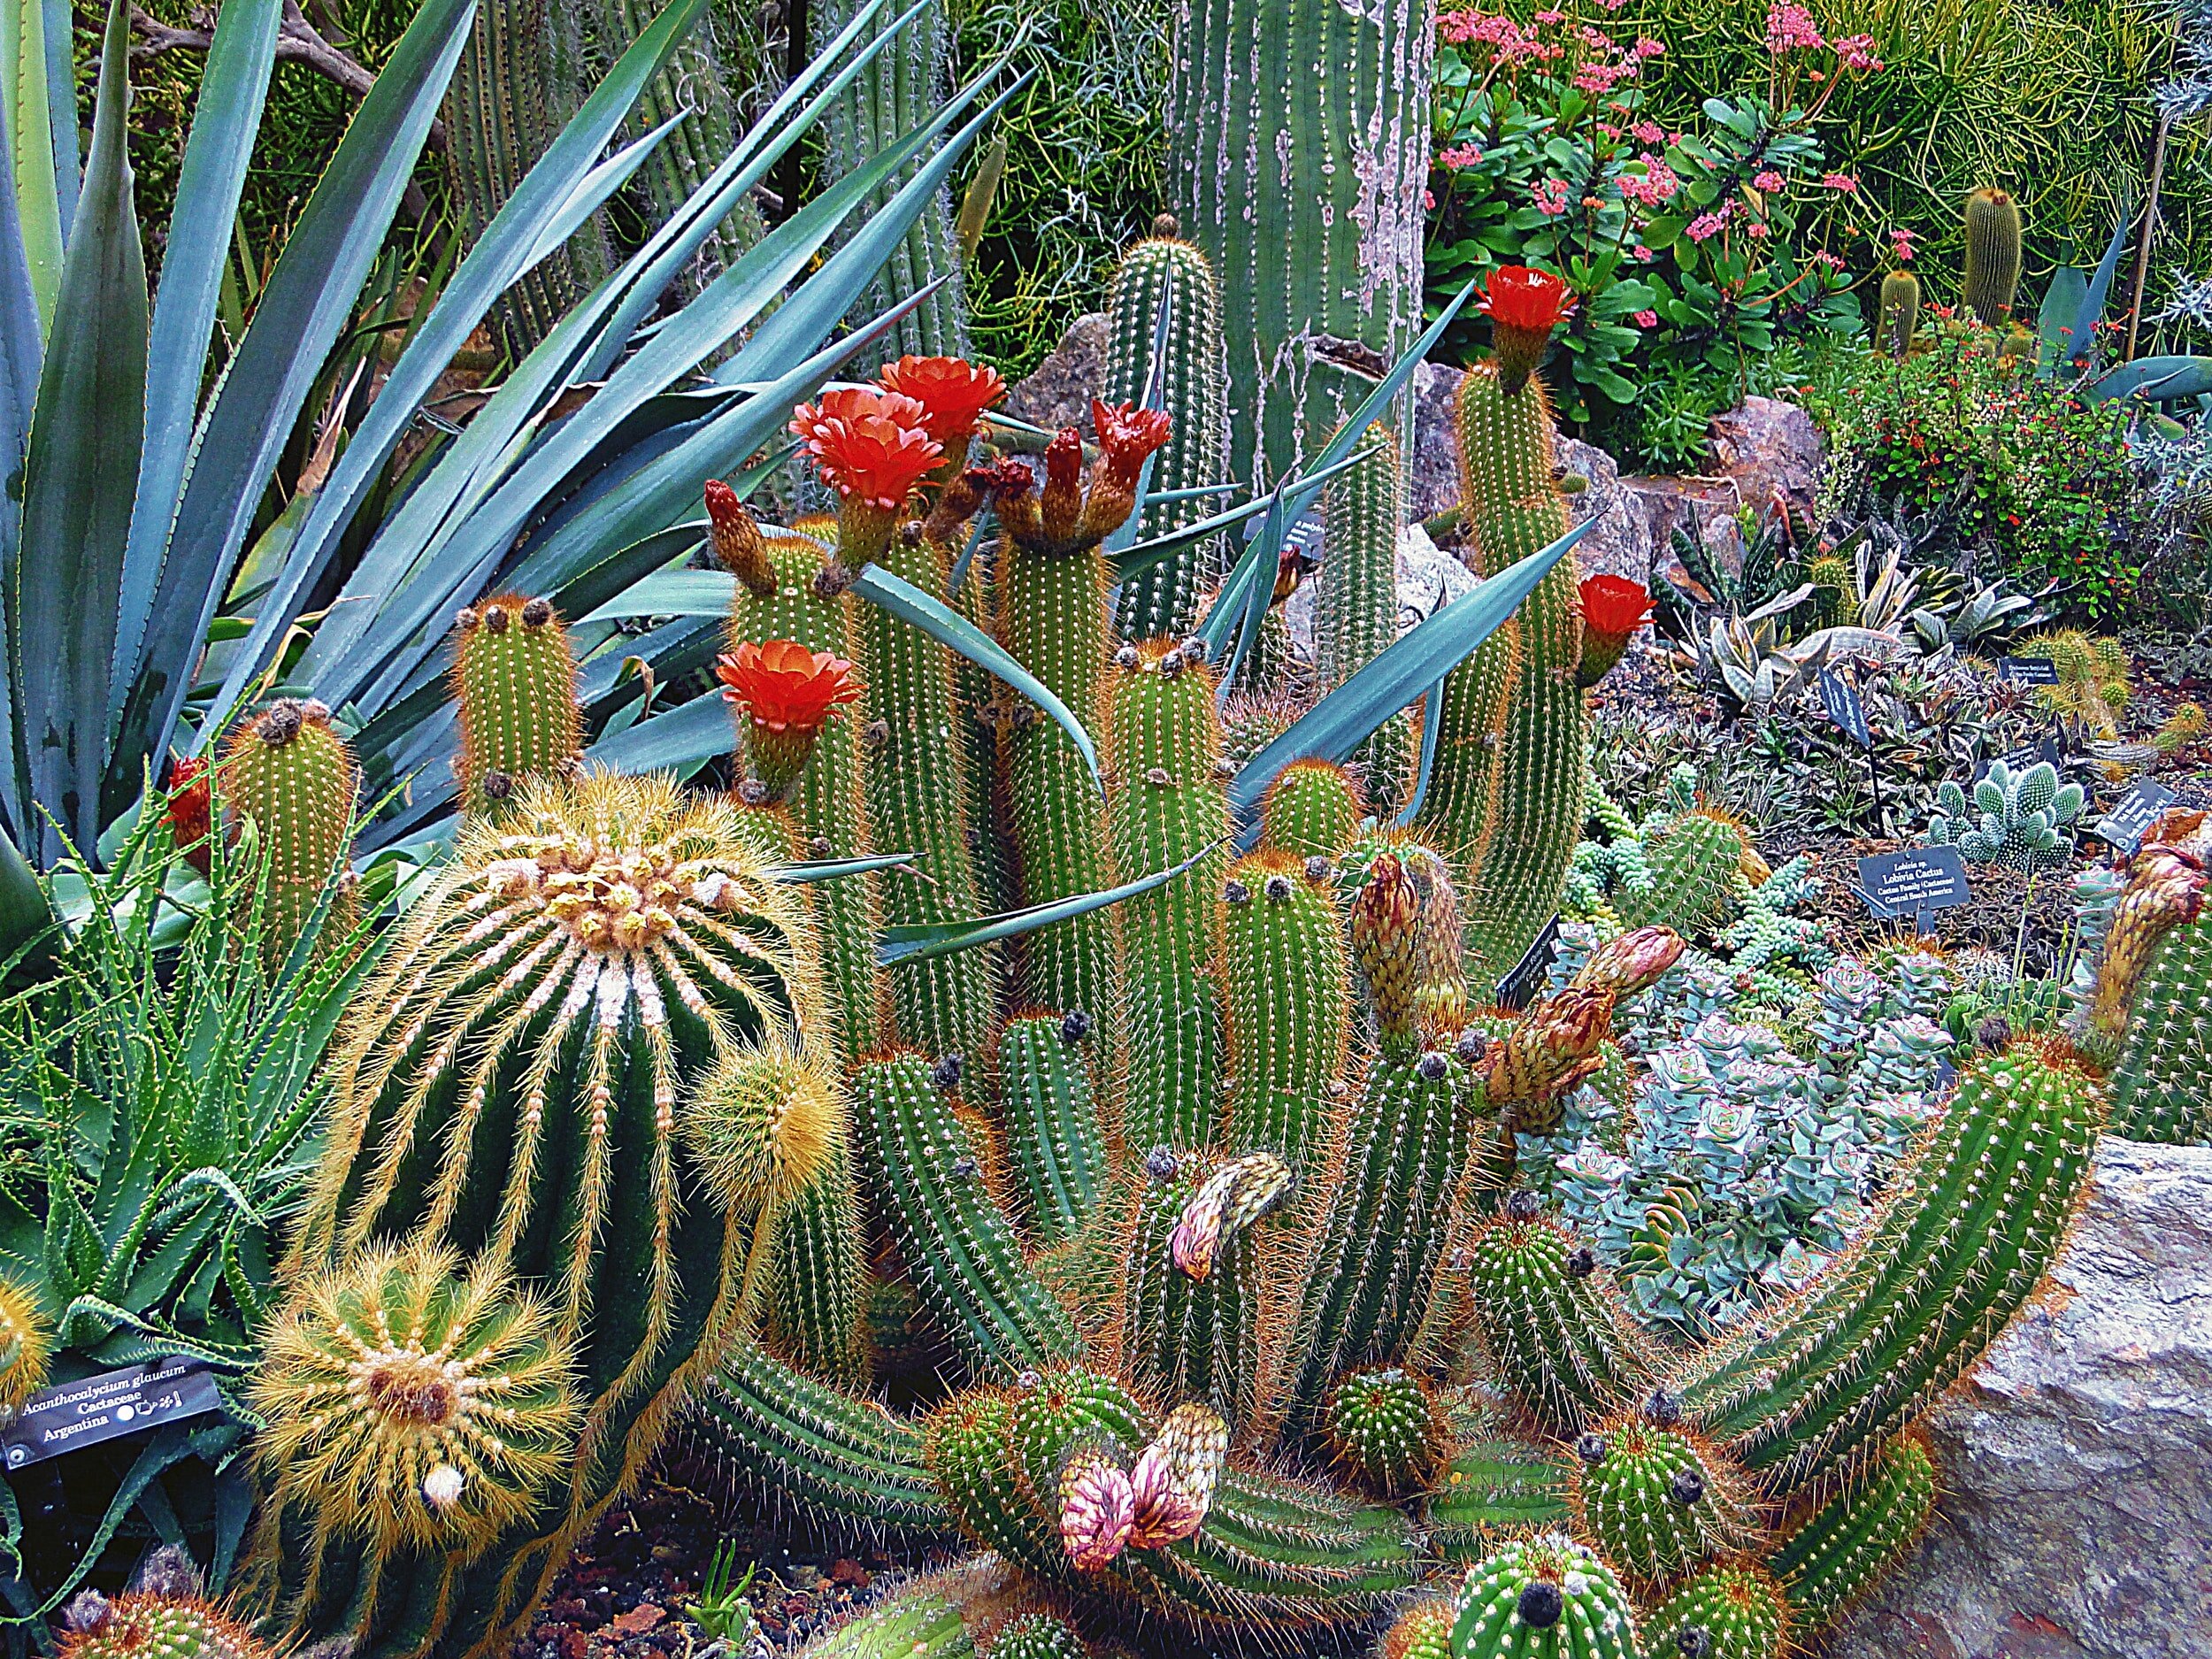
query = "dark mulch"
{"x": 2011, "y": 911}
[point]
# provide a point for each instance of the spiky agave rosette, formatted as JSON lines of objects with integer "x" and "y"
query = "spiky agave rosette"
{"x": 514, "y": 1088}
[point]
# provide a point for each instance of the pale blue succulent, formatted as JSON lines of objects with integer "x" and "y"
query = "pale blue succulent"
{"x": 2017, "y": 819}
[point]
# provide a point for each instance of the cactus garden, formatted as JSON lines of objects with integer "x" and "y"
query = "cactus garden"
{"x": 1436, "y": 949}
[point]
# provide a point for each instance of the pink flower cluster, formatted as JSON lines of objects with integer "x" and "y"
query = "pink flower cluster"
{"x": 1655, "y": 187}
{"x": 1769, "y": 180}
{"x": 1790, "y": 28}
{"x": 1705, "y": 226}
{"x": 1842, "y": 182}
{"x": 1900, "y": 244}
{"x": 1460, "y": 158}
{"x": 1551, "y": 195}
{"x": 1858, "y": 52}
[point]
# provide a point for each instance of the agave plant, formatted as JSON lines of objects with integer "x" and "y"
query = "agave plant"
{"x": 575, "y": 479}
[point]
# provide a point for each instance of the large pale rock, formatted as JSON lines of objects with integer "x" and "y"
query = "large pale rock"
{"x": 2076, "y": 1459}
{"x": 1058, "y": 391}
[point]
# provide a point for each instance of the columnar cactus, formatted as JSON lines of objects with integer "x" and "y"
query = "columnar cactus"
{"x": 1162, "y": 602}
{"x": 1899, "y": 319}
{"x": 1832, "y": 1558}
{"x": 290, "y": 776}
{"x": 514, "y": 684}
{"x": 1694, "y": 862}
{"x": 2147, "y": 1012}
{"x": 1992, "y": 255}
{"x": 1313, "y": 810}
{"x": 1284, "y": 1000}
{"x": 510, "y": 1087}
{"x": 1564, "y": 1351}
{"x": 1356, "y": 614}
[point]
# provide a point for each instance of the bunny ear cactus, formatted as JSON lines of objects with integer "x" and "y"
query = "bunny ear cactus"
{"x": 2013, "y": 819}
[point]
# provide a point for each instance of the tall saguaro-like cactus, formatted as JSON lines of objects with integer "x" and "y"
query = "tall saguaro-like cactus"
{"x": 1298, "y": 141}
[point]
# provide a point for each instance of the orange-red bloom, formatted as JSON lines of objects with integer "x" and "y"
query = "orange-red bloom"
{"x": 1128, "y": 435}
{"x": 1613, "y": 609}
{"x": 784, "y": 685}
{"x": 869, "y": 445}
{"x": 1524, "y": 306}
{"x": 953, "y": 394}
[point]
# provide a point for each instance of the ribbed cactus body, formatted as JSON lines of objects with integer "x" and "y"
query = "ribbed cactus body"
{"x": 2161, "y": 1081}
{"x": 915, "y": 787}
{"x": 926, "y": 1172}
{"x": 1297, "y": 157}
{"x": 1052, "y": 1130}
{"x": 1515, "y": 869}
{"x": 1381, "y": 1430}
{"x": 1053, "y": 618}
{"x": 1286, "y": 1004}
{"x": 27, "y": 1342}
{"x": 826, "y": 807}
{"x": 1495, "y": 1487}
{"x": 514, "y": 687}
{"x": 798, "y": 1441}
{"x": 1164, "y": 740}
{"x": 1832, "y": 1559}
{"x": 508, "y": 1088}
{"x": 1693, "y": 864}
{"x": 1543, "y": 1598}
{"x": 1655, "y": 1501}
{"x": 1270, "y": 1553}
{"x": 1355, "y": 612}
{"x": 1993, "y": 257}
{"x": 1899, "y": 319}
{"x": 918, "y": 1623}
{"x": 1740, "y": 1609}
{"x": 1189, "y": 1334}
{"x": 1372, "y": 1273}
{"x": 817, "y": 1285}
{"x": 1460, "y": 811}
{"x": 1422, "y": 1632}
{"x": 1976, "y": 1217}
{"x": 898, "y": 91}
{"x": 1566, "y": 1353}
{"x": 153, "y": 1626}
{"x": 294, "y": 779}
{"x": 1313, "y": 810}
{"x": 1162, "y": 602}
{"x": 1036, "y": 1636}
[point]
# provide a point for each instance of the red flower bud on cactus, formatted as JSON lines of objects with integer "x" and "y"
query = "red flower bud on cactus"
{"x": 1613, "y": 609}
{"x": 738, "y": 545}
{"x": 789, "y": 694}
{"x": 1524, "y": 306}
{"x": 1098, "y": 1511}
{"x": 1633, "y": 963}
{"x": 190, "y": 814}
{"x": 953, "y": 394}
{"x": 1128, "y": 436}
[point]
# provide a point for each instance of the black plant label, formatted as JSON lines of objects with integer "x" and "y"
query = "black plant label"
{"x": 106, "y": 1406}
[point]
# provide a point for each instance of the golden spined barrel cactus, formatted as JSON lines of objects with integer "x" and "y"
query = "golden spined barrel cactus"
{"x": 27, "y": 1341}
{"x": 511, "y": 1088}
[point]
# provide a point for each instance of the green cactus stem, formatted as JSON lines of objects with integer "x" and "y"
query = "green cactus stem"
{"x": 1514, "y": 860}
{"x": 1382, "y": 1430}
{"x": 1900, "y": 314}
{"x": 152, "y": 1626}
{"x": 1162, "y": 602}
{"x": 928, "y": 1177}
{"x": 1495, "y": 1487}
{"x": 1810, "y": 1398}
{"x": 1566, "y": 1353}
{"x": 817, "y": 1282}
{"x": 508, "y": 1088}
{"x": 798, "y": 1441}
{"x": 1724, "y": 1612}
{"x": 1831, "y": 1560}
{"x": 1545, "y": 1597}
{"x": 1424, "y": 1631}
{"x": 1164, "y": 748}
{"x": 826, "y": 807}
{"x": 294, "y": 779}
{"x": 1693, "y": 861}
{"x": 1313, "y": 810}
{"x": 915, "y": 790}
{"x": 1654, "y": 1500}
{"x": 1992, "y": 255}
{"x": 1287, "y": 1008}
{"x": 1035, "y": 1636}
{"x": 514, "y": 686}
{"x": 2151, "y": 1009}
{"x": 1355, "y": 612}
{"x": 1196, "y": 1284}
{"x": 1052, "y": 1128}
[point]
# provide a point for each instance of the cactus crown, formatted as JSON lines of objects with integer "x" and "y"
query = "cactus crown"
{"x": 26, "y": 1340}
{"x": 514, "y": 683}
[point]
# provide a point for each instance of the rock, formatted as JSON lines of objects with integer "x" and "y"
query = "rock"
{"x": 2076, "y": 1460}
{"x": 1428, "y": 577}
{"x": 1434, "y": 474}
{"x": 1058, "y": 392}
{"x": 1772, "y": 451}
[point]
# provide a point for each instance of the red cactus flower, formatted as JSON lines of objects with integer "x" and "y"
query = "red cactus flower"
{"x": 1524, "y": 306}
{"x": 1128, "y": 435}
{"x": 1613, "y": 610}
{"x": 190, "y": 812}
{"x": 953, "y": 394}
{"x": 816, "y": 422}
{"x": 789, "y": 694}
{"x": 869, "y": 445}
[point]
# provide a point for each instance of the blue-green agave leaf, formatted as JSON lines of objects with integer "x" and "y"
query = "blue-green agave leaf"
{"x": 916, "y": 942}
{"x": 807, "y": 870}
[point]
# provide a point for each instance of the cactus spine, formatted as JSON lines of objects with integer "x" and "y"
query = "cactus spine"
{"x": 1051, "y": 1125}
{"x": 27, "y": 1342}
{"x": 914, "y": 779}
{"x": 1316, "y": 276}
{"x": 294, "y": 779}
{"x": 1979, "y": 1216}
{"x": 1164, "y": 745}
{"x": 1839, "y": 1553}
{"x": 1356, "y": 613}
{"x": 1515, "y": 864}
{"x": 508, "y": 1087}
{"x": 514, "y": 682}
{"x": 1694, "y": 865}
{"x": 1162, "y": 602}
{"x": 1547, "y": 1597}
{"x": 1727, "y": 1612}
{"x": 1312, "y": 810}
{"x": 1288, "y": 1015}
{"x": 1900, "y": 314}
{"x": 1564, "y": 1349}
{"x": 1992, "y": 255}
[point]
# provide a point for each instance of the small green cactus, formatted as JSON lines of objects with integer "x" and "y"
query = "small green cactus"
{"x": 1724, "y": 1612}
{"x": 1992, "y": 255}
{"x": 288, "y": 775}
{"x": 1565, "y": 1352}
{"x": 1381, "y": 1427}
{"x": 1900, "y": 314}
{"x": 1545, "y": 1597}
{"x": 1313, "y": 810}
{"x": 2015, "y": 819}
{"x": 1653, "y": 1498}
{"x": 1285, "y": 1003}
{"x": 1424, "y": 1631}
{"x": 1694, "y": 862}
{"x": 1035, "y": 1636}
{"x": 1829, "y": 1561}
{"x": 151, "y": 1625}
{"x": 514, "y": 684}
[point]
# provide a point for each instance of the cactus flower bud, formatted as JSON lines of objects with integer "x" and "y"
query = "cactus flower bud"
{"x": 739, "y": 547}
{"x": 1613, "y": 610}
{"x": 1098, "y": 1511}
{"x": 1633, "y": 963}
